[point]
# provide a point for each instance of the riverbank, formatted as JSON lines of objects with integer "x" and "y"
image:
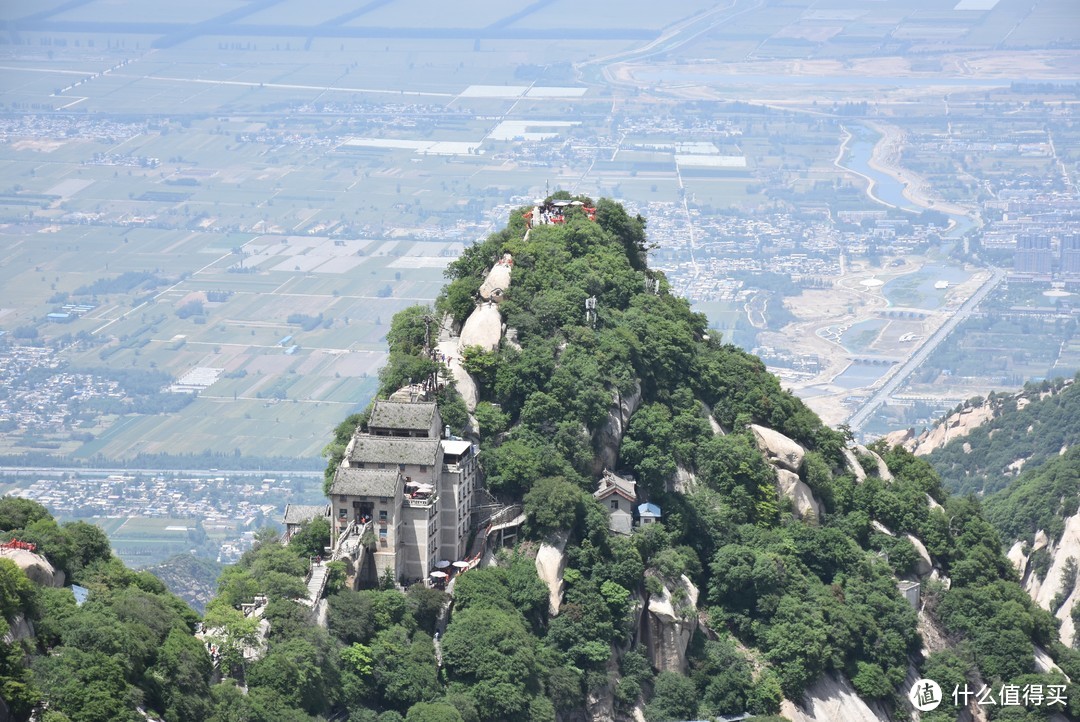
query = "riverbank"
{"x": 886, "y": 159}
{"x": 871, "y": 183}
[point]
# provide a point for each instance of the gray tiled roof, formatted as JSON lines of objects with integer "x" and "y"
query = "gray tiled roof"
{"x": 393, "y": 450}
{"x": 402, "y": 416}
{"x": 612, "y": 483}
{"x": 365, "y": 482}
{"x": 299, "y": 513}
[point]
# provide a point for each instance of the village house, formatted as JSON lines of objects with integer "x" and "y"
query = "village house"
{"x": 297, "y": 514}
{"x": 618, "y": 496}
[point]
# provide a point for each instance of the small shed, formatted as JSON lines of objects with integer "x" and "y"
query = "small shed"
{"x": 911, "y": 592}
{"x": 648, "y": 513}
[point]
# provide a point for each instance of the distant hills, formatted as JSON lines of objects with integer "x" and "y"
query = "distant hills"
{"x": 984, "y": 443}
{"x": 1021, "y": 453}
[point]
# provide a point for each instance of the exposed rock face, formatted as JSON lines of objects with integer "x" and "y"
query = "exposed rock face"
{"x": 684, "y": 481}
{"x": 483, "y": 327}
{"x": 1044, "y": 592}
{"x": 1017, "y": 557}
{"x": 498, "y": 280}
{"x": 1041, "y": 540}
{"x": 953, "y": 426}
{"x": 36, "y": 567}
{"x": 925, "y": 564}
{"x": 882, "y": 467}
{"x": 19, "y": 628}
{"x": 600, "y": 703}
{"x": 1044, "y": 663}
{"x": 609, "y": 436}
{"x": 787, "y": 456}
{"x": 465, "y": 384}
{"x": 899, "y": 437}
{"x": 881, "y": 528}
{"x": 790, "y": 485}
{"x": 669, "y": 626}
{"x": 717, "y": 429}
{"x": 853, "y": 465}
{"x": 831, "y": 699}
{"x": 511, "y": 337}
{"x": 780, "y": 450}
{"x": 934, "y": 638}
{"x": 550, "y": 565}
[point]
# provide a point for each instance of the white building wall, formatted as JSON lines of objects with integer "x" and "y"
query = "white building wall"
{"x": 420, "y": 533}
{"x": 457, "y": 493}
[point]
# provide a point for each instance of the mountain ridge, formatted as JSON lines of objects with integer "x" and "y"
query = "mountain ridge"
{"x": 770, "y": 585}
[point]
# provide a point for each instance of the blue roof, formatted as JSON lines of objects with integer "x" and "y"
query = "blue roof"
{"x": 80, "y": 594}
{"x": 648, "y": 509}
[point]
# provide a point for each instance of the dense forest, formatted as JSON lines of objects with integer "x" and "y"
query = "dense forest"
{"x": 129, "y": 646}
{"x": 774, "y": 594}
{"x": 1042, "y": 498}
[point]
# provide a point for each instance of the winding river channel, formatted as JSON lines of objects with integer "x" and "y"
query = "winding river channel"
{"x": 882, "y": 187}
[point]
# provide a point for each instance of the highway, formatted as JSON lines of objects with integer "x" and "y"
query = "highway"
{"x": 862, "y": 415}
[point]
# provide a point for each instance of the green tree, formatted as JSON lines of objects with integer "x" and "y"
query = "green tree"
{"x": 433, "y": 712}
{"x": 491, "y": 651}
{"x": 722, "y": 676}
{"x": 513, "y": 467}
{"x": 675, "y": 698}
{"x": 89, "y": 544}
{"x": 425, "y": 605}
{"x": 491, "y": 420}
{"x": 554, "y": 504}
{"x": 18, "y": 513}
{"x": 183, "y": 670}
{"x": 411, "y": 329}
{"x": 406, "y": 672}
{"x": 86, "y": 686}
{"x": 16, "y": 682}
{"x": 357, "y": 668}
{"x": 17, "y": 593}
{"x": 312, "y": 538}
{"x": 452, "y": 409}
{"x": 351, "y": 616}
{"x": 299, "y": 673}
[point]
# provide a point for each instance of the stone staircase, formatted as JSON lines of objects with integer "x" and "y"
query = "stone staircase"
{"x": 316, "y": 583}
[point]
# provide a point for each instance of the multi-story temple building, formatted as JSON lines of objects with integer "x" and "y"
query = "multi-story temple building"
{"x": 417, "y": 489}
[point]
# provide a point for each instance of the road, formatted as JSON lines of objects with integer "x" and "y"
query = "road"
{"x": 862, "y": 415}
{"x": 85, "y": 471}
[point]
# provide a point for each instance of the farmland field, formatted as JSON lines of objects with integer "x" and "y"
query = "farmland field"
{"x": 243, "y": 194}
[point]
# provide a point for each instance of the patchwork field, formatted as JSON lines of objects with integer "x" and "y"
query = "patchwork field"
{"x": 235, "y": 198}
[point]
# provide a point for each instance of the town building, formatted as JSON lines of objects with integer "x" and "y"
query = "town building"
{"x": 458, "y": 485}
{"x": 1070, "y": 254}
{"x": 1033, "y": 254}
